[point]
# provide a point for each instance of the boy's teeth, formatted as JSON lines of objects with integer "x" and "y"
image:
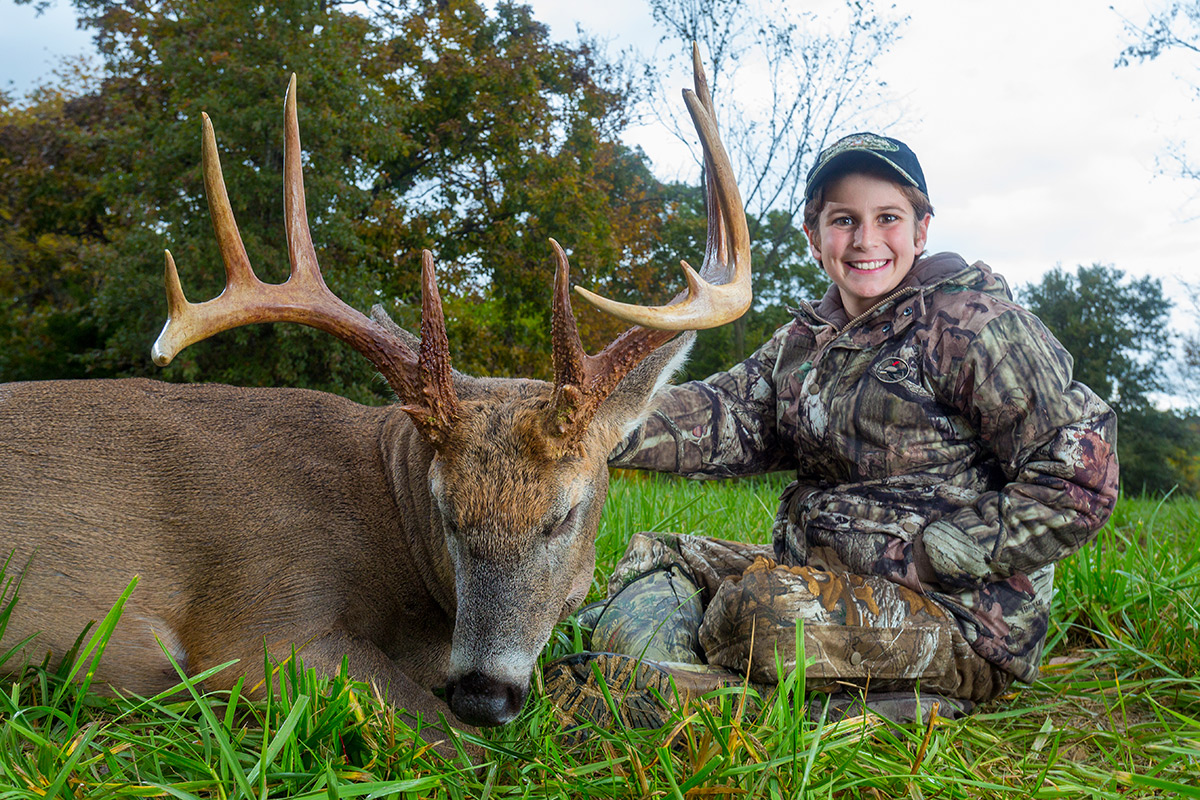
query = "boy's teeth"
{"x": 869, "y": 264}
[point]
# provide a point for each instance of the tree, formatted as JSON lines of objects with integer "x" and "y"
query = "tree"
{"x": 523, "y": 147}
{"x": 1173, "y": 29}
{"x": 51, "y": 209}
{"x": 1189, "y": 357}
{"x": 785, "y": 82}
{"x": 129, "y": 151}
{"x": 431, "y": 124}
{"x": 1159, "y": 451}
{"x": 1115, "y": 329}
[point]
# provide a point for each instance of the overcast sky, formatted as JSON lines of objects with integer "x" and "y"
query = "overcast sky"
{"x": 1037, "y": 151}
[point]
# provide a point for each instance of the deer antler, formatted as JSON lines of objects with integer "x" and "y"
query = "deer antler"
{"x": 423, "y": 382}
{"x": 720, "y": 293}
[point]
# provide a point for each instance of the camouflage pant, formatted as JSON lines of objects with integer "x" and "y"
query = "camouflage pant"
{"x": 859, "y": 632}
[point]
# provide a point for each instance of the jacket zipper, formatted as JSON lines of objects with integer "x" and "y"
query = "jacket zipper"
{"x": 893, "y": 296}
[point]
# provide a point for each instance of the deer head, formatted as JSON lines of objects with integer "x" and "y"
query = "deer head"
{"x": 515, "y": 471}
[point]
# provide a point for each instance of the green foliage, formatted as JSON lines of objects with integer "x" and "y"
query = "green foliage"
{"x": 429, "y": 124}
{"x": 51, "y": 211}
{"x": 516, "y": 143}
{"x": 1116, "y": 331}
{"x": 1159, "y": 451}
{"x": 140, "y": 189}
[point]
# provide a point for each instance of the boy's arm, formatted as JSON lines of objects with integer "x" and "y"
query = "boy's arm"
{"x": 1056, "y": 442}
{"x": 723, "y": 426}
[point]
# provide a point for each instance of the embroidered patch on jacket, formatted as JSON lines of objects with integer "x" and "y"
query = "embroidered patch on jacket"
{"x": 891, "y": 370}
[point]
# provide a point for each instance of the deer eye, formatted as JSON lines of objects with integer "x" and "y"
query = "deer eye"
{"x": 564, "y": 526}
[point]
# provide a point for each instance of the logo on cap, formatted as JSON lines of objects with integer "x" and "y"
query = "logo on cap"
{"x": 857, "y": 142}
{"x": 895, "y": 154}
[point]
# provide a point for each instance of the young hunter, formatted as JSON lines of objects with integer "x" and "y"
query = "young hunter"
{"x": 944, "y": 460}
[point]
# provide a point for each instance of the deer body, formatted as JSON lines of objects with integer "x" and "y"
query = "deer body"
{"x": 432, "y": 543}
{"x": 250, "y": 515}
{"x": 287, "y": 518}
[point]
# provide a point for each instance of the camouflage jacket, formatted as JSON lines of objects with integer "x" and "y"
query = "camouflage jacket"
{"x": 938, "y": 440}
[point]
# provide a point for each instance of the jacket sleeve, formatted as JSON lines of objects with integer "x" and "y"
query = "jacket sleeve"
{"x": 1055, "y": 441}
{"x": 721, "y": 427}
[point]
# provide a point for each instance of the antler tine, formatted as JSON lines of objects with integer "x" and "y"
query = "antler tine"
{"x": 726, "y": 262}
{"x": 434, "y": 403}
{"x": 188, "y": 323}
{"x": 570, "y": 359}
{"x": 423, "y": 382}
{"x": 302, "y": 256}
{"x": 582, "y": 381}
{"x": 303, "y": 298}
{"x": 716, "y": 264}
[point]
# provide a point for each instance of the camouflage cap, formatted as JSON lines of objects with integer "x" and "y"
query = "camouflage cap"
{"x": 859, "y": 146}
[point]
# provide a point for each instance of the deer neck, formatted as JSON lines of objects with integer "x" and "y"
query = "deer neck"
{"x": 407, "y": 457}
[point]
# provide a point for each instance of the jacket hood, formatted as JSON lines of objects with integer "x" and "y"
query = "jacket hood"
{"x": 927, "y": 273}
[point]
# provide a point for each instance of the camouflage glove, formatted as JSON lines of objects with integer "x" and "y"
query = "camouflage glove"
{"x": 946, "y": 555}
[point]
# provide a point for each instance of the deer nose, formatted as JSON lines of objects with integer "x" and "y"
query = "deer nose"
{"x": 479, "y": 700}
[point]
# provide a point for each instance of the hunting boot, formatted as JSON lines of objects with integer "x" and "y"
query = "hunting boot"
{"x": 655, "y": 617}
{"x": 898, "y": 707}
{"x": 645, "y": 656}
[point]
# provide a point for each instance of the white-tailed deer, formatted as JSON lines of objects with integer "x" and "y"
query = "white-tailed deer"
{"x": 433, "y": 543}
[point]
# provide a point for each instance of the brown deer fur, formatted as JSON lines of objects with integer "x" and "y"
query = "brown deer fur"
{"x": 286, "y": 517}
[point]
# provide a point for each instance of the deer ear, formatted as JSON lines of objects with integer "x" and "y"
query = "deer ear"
{"x": 411, "y": 340}
{"x": 633, "y": 399}
{"x": 463, "y": 384}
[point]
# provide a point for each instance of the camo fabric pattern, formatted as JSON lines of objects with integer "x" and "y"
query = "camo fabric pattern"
{"x": 938, "y": 442}
{"x": 656, "y": 617}
{"x": 858, "y": 631}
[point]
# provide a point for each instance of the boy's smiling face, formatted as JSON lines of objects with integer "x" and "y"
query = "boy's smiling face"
{"x": 868, "y": 238}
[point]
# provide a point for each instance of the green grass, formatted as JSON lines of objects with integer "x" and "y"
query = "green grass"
{"x": 1115, "y": 714}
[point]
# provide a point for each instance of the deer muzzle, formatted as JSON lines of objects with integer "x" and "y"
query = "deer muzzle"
{"x": 501, "y": 625}
{"x": 485, "y": 701}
